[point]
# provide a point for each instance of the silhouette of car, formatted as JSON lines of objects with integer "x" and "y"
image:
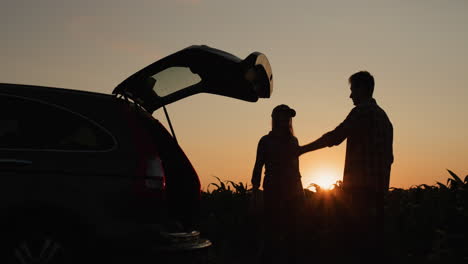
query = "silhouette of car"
{"x": 85, "y": 173}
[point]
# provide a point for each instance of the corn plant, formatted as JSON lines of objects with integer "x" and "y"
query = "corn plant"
{"x": 424, "y": 223}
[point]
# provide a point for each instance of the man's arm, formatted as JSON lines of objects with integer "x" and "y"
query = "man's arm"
{"x": 317, "y": 144}
{"x": 334, "y": 137}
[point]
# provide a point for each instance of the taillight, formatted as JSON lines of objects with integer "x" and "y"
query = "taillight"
{"x": 151, "y": 180}
{"x": 155, "y": 178}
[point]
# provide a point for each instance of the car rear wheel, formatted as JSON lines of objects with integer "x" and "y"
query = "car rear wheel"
{"x": 41, "y": 243}
{"x": 43, "y": 248}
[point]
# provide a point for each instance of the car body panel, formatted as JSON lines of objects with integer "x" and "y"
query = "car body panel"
{"x": 98, "y": 185}
{"x": 98, "y": 188}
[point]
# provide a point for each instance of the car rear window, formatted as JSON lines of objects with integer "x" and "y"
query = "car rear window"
{"x": 34, "y": 124}
{"x": 174, "y": 79}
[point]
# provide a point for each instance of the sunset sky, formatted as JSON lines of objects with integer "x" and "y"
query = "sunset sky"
{"x": 417, "y": 51}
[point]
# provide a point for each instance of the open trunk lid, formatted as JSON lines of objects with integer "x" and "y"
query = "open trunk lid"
{"x": 199, "y": 69}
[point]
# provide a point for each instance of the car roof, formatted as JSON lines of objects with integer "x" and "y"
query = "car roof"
{"x": 25, "y": 89}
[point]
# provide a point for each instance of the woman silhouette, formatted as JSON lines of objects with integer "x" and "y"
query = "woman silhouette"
{"x": 282, "y": 187}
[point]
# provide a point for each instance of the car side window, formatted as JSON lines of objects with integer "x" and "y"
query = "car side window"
{"x": 31, "y": 124}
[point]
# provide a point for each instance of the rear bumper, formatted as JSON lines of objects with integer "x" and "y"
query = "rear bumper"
{"x": 152, "y": 242}
{"x": 184, "y": 241}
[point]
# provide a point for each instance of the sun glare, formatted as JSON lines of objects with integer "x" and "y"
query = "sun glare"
{"x": 325, "y": 183}
{"x": 325, "y": 178}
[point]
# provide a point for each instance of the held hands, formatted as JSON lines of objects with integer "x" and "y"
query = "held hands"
{"x": 302, "y": 149}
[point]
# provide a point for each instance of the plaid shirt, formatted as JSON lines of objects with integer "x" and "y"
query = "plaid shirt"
{"x": 369, "y": 151}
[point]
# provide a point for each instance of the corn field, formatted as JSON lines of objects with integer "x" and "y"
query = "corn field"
{"x": 423, "y": 224}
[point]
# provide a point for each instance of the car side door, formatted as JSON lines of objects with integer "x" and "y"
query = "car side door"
{"x": 45, "y": 150}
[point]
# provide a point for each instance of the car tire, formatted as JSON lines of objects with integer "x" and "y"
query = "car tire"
{"x": 40, "y": 242}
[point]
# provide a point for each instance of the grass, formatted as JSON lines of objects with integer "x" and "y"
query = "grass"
{"x": 423, "y": 224}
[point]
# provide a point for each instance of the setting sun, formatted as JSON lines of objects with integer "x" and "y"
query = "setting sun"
{"x": 324, "y": 177}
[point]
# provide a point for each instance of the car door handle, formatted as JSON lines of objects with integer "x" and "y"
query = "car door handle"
{"x": 15, "y": 162}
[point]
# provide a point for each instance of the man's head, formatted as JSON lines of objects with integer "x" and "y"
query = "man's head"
{"x": 362, "y": 86}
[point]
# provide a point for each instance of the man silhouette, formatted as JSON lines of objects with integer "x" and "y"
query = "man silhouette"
{"x": 369, "y": 156}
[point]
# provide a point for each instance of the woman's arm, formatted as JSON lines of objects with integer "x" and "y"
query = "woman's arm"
{"x": 259, "y": 162}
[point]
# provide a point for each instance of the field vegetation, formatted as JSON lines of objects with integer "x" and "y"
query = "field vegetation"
{"x": 423, "y": 224}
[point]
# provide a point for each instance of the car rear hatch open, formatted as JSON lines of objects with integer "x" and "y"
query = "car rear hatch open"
{"x": 198, "y": 69}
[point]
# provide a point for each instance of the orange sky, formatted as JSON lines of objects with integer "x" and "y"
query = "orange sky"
{"x": 415, "y": 49}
